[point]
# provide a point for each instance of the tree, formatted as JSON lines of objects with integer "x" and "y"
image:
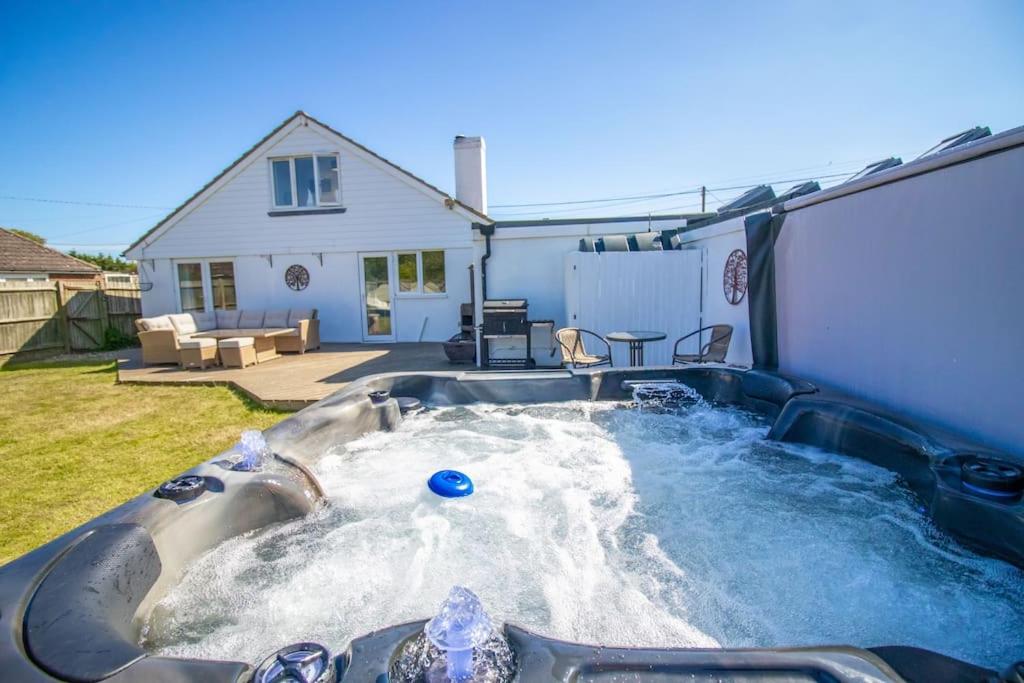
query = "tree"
{"x": 39, "y": 239}
{"x": 107, "y": 262}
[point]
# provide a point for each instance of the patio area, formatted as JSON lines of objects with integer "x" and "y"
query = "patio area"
{"x": 294, "y": 381}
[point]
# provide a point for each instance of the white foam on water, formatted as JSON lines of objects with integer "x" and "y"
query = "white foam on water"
{"x": 597, "y": 523}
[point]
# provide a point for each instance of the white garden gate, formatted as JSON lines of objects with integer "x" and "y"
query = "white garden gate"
{"x": 648, "y": 290}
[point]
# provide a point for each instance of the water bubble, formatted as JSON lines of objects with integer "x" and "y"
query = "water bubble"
{"x": 254, "y": 450}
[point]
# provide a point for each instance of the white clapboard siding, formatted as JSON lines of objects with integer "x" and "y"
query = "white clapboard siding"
{"x": 383, "y": 212}
{"x": 619, "y": 291}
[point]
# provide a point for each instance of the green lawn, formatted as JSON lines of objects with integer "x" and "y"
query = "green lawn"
{"x": 74, "y": 444}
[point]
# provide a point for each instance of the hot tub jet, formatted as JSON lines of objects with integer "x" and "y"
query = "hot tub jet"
{"x": 459, "y": 645}
{"x": 254, "y": 451}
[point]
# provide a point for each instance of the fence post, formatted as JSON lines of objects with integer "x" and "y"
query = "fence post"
{"x": 62, "y": 309}
{"x": 101, "y": 292}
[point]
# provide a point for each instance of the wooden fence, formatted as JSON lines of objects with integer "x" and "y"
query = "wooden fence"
{"x": 41, "y": 316}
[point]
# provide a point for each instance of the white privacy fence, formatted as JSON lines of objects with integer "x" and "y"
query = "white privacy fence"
{"x": 620, "y": 291}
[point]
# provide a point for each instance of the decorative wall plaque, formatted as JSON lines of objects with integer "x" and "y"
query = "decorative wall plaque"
{"x": 296, "y": 277}
{"x": 734, "y": 279}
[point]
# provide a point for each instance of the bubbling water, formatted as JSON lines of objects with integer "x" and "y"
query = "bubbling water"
{"x": 595, "y": 522}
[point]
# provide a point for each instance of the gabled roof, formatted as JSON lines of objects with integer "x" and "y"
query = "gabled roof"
{"x": 21, "y": 255}
{"x": 444, "y": 197}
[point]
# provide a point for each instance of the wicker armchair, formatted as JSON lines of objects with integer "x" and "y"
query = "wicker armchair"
{"x": 574, "y": 353}
{"x": 712, "y": 352}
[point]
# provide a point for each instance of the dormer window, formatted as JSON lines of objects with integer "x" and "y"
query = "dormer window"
{"x": 305, "y": 182}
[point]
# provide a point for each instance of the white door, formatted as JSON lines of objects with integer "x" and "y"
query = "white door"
{"x": 376, "y": 279}
{"x": 656, "y": 291}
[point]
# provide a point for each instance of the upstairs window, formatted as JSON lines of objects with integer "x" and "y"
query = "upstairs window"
{"x": 306, "y": 182}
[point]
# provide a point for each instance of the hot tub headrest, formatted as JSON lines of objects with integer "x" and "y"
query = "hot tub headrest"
{"x": 773, "y": 387}
{"x": 78, "y": 625}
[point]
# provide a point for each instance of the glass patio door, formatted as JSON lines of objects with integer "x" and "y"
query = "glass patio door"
{"x": 377, "y": 294}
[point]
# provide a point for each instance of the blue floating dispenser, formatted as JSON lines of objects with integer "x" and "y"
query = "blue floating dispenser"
{"x": 450, "y": 484}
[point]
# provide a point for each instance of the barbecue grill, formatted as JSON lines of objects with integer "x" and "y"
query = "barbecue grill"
{"x": 503, "y": 319}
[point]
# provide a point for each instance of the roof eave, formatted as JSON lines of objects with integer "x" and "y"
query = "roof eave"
{"x": 212, "y": 182}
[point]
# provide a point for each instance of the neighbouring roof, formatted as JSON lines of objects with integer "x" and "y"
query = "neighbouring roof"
{"x": 21, "y": 255}
{"x": 444, "y": 195}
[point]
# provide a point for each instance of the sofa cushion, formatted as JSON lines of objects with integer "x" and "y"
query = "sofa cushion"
{"x": 275, "y": 319}
{"x": 297, "y": 314}
{"x": 228, "y": 320}
{"x": 250, "y": 320}
{"x": 197, "y": 343}
{"x": 183, "y": 323}
{"x": 207, "y": 320}
{"x": 160, "y": 322}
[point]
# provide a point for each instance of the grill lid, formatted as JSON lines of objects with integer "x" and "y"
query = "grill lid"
{"x": 500, "y": 304}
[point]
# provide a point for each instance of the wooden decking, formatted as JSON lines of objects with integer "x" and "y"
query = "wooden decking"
{"x": 294, "y": 381}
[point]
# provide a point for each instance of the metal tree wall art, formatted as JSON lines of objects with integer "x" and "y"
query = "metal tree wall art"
{"x": 296, "y": 277}
{"x": 734, "y": 279}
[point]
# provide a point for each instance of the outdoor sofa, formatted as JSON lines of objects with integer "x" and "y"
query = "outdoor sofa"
{"x": 161, "y": 336}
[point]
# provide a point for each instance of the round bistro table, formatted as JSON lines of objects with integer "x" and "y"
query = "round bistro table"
{"x": 636, "y": 340}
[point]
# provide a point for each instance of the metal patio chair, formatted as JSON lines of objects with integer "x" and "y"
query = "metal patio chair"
{"x": 574, "y": 353}
{"x": 712, "y": 352}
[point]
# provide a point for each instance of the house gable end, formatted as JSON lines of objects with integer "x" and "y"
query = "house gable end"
{"x": 240, "y": 198}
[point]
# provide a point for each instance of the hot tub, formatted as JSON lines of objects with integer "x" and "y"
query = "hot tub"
{"x": 720, "y": 539}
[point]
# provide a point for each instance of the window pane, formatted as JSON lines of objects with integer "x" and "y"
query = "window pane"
{"x": 433, "y": 272}
{"x": 222, "y": 282}
{"x": 408, "y": 279}
{"x": 327, "y": 172}
{"x": 282, "y": 184}
{"x": 190, "y": 283}
{"x": 305, "y": 183}
{"x": 378, "y": 295}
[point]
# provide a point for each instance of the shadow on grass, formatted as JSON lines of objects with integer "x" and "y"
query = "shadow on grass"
{"x": 109, "y": 366}
{"x": 252, "y": 404}
{"x": 102, "y": 365}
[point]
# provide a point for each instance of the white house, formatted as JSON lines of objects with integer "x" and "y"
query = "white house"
{"x": 309, "y": 218}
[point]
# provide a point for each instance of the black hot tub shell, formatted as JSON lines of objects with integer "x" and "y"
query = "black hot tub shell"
{"x": 71, "y": 610}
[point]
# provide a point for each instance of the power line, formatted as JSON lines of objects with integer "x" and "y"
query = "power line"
{"x": 593, "y": 201}
{"x": 109, "y": 225}
{"x": 715, "y": 197}
{"x": 806, "y": 170}
{"x": 72, "y": 245}
{"x": 670, "y": 194}
{"x": 42, "y": 200}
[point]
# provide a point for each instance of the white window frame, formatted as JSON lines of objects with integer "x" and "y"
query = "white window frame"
{"x": 24, "y": 277}
{"x": 204, "y": 271}
{"x": 418, "y": 293}
{"x": 316, "y": 181}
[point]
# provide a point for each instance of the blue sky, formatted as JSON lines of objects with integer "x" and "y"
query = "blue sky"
{"x": 141, "y": 103}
